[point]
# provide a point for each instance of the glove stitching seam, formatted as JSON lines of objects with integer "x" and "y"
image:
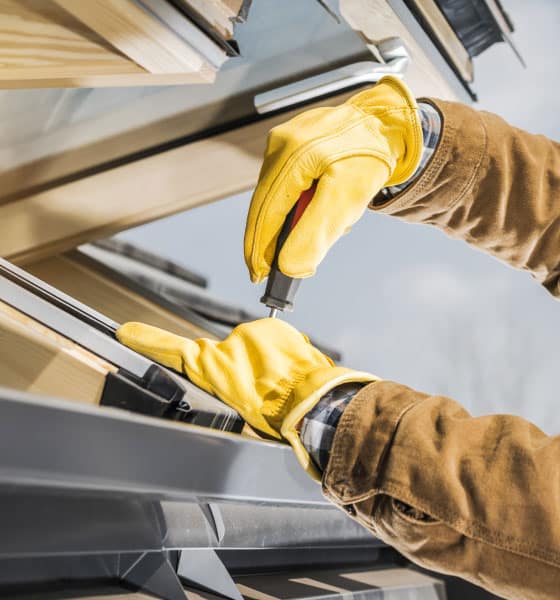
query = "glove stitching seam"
{"x": 414, "y": 126}
{"x": 355, "y": 152}
{"x": 283, "y": 399}
{"x": 396, "y": 88}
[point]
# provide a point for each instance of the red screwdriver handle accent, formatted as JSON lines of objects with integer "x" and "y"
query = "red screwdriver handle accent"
{"x": 305, "y": 198}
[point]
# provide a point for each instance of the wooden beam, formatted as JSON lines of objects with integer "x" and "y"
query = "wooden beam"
{"x": 138, "y": 35}
{"x": 43, "y": 45}
{"x": 39, "y": 38}
{"x": 219, "y": 14}
{"x": 18, "y": 79}
{"x": 36, "y": 359}
{"x": 447, "y": 37}
{"x": 51, "y": 222}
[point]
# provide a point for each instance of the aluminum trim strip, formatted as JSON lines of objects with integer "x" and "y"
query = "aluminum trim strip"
{"x": 71, "y": 327}
{"x": 56, "y": 444}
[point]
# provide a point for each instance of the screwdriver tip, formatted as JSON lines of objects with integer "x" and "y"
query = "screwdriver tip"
{"x": 273, "y": 313}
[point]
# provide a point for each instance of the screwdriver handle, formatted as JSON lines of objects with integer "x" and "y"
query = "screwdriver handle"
{"x": 281, "y": 289}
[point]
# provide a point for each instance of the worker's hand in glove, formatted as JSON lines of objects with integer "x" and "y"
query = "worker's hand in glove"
{"x": 352, "y": 151}
{"x": 266, "y": 370}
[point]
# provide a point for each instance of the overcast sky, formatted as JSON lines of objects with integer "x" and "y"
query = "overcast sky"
{"x": 404, "y": 301}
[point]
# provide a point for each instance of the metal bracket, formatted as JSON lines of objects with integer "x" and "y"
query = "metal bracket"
{"x": 213, "y": 516}
{"x": 153, "y": 573}
{"x": 392, "y": 51}
{"x": 203, "y": 568}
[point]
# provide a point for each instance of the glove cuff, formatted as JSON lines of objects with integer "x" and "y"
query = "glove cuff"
{"x": 305, "y": 396}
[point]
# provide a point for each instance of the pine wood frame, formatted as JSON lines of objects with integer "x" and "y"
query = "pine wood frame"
{"x": 36, "y": 359}
{"x": 92, "y": 43}
{"x": 49, "y": 222}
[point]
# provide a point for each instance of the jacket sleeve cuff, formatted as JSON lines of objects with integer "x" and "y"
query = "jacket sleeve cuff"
{"x": 362, "y": 439}
{"x": 452, "y": 168}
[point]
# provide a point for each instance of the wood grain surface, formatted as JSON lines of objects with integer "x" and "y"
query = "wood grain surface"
{"x": 36, "y": 359}
{"x": 137, "y": 34}
{"x": 43, "y": 45}
{"x": 59, "y": 219}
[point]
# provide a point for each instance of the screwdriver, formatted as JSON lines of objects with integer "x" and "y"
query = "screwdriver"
{"x": 281, "y": 289}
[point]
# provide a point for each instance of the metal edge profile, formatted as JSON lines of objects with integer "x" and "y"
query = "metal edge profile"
{"x": 66, "y": 324}
{"x": 63, "y": 522}
{"x": 63, "y": 301}
{"x": 37, "y": 303}
{"x": 229, "y": 45}
{"x": 54, "y": 444}
{"x": 434, "y": 21}
{"x": 170, "y": 17}
{"x": 463, "y": 91}
{"x": 145, "y": 257}
{"x": 505, "y": 26}
{"x": 349, "y": 76}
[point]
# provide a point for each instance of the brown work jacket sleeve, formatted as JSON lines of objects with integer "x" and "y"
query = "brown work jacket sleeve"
{"x": 492, "y": 185}
{"x": 474, "y": 497}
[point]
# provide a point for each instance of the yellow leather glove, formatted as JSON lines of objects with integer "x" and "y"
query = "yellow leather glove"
{"x": 353, "y": 150}
{"x": 266, "y": 370}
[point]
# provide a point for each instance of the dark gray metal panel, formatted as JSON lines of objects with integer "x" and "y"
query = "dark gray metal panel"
{"x": 153, "y": 573}
{"x": 59, "y": 444}
{"x": 52, "y": 523}
{"x": 44, "y": 572}
{"x": 177, "y": 295}
{"x": 34, "y": 524}
{"x": 144, "y": 257}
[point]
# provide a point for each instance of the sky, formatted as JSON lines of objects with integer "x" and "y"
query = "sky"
{"x": 404, "y": 301}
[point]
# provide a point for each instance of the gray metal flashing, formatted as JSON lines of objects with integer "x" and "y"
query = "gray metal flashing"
{"x": 58, "y": 298}
{"x": 145, "y": 257}
{"x": 56, "y": 444}
{"x": 63, "y": 522}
